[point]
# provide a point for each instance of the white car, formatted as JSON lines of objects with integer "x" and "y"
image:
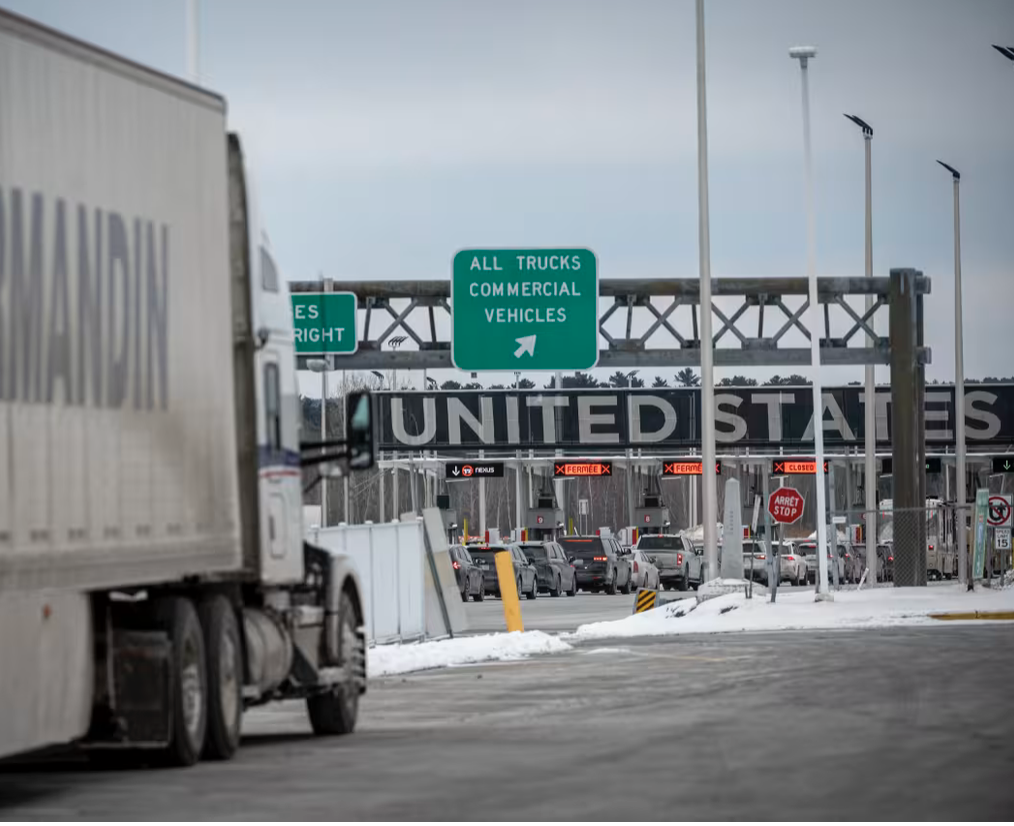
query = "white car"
{"x": 809, "y": 552}
{"x": 643, "y": 573}
{"x": 792, "y": 566}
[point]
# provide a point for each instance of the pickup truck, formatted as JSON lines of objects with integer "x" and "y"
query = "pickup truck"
{"x": 679, "y": 564}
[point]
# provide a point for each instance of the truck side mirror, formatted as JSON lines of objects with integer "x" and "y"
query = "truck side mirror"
{"x": 359, "y": 430}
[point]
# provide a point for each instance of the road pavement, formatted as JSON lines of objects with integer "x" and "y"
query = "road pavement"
{"x": 891, "y": 723}
{"x": 563, "y": 613}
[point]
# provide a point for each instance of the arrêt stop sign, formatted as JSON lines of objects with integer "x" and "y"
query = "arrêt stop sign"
{"x": 785, "y": 505}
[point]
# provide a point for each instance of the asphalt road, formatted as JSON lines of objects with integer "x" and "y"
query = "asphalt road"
{"x": 562, "y": 613}
{"x": 901, "y": 723}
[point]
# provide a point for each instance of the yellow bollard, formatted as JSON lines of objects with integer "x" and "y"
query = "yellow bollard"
{"x": 508, "y": 591}
{"x": 570, "y": 530}
{"x": 465, "y": 523}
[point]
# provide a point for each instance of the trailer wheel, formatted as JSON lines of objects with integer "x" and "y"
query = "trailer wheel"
{"x": 189, "y": 703}
{"x": 335, "y": 710}
{"x": 225, "y": 677}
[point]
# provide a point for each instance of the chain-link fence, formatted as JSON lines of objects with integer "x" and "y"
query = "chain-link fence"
{"x": 918, "y": 545}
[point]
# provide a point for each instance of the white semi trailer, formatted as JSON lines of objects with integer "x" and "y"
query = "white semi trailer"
{"x": 154, "y": 580}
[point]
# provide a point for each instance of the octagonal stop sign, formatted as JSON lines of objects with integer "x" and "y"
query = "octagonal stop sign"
{"x": 785, "y": 505}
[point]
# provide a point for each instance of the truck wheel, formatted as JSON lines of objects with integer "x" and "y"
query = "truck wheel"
{"x": 611, "y": 587}
{"x": 480, "y": 595}
{"x": 682, "y": 583}
{"x": 555, "y": 592}
{"x": 573, "y": 590}
{"x": 535, "y": 589}
{"x": 334, "y": 711}
{"x": 189, "y": 720}
{"x": 626, "y": 587}
{"x": 225, "y": 677}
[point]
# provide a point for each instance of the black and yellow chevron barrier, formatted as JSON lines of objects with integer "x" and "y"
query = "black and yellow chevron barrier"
{"x": 645, "y": 600}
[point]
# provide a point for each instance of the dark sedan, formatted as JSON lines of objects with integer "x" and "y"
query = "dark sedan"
{"x": 467, "y": 573}
{"x": 555, "y": 572}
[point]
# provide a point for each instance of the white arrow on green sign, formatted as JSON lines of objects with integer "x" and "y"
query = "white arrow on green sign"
{"x": 525, "y": 309}
{"x": 325, "y": 323}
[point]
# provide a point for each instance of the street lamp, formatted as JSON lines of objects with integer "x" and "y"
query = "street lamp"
{"x": 871, "y": 387}
{"x": 959, "y": 381}
{"x": 1006, "y": 51}
{"x": 709, "y": 481}
{"x": 804, "y": 54}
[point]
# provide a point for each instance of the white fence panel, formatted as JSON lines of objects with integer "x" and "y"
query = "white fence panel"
{"x": 390, "y": 560}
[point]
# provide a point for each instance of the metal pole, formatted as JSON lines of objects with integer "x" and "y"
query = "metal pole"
{"x": 193, "y": 43}
{"x": 768, "y": 542}
{"x": 323, "y": 423}
{"x": 482, "y": 500}
{"x": 804, "y": 55}
{"x": 414, "y": 493}
{"x": 871, "y": 384}
{"x": 345, "y": 415}
{"x": 709, "y": 481}
{"x": 558, "y": 415}
{"x": 833, "y": 540}
{"x": 383, "y": 504}
{"x": 395, "y": 490}
{"x": 630, "y": 488}
{"x": 959, "y": 385}
{"x": 518, "y": 513}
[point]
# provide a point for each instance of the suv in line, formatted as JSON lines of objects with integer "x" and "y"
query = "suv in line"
{"x": 555, "y": 572}
{"x": 600, "y": 563}
{"x": 525, "y": 577}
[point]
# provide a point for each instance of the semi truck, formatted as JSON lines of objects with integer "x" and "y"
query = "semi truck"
{"x": 154, "y": 579}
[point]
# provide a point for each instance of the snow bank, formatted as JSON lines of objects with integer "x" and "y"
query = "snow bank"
{"x": 877, "y": 607}
{"x": 383, "y": 660}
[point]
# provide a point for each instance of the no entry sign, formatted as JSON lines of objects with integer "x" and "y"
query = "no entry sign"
{"x": 999, "y": 513}
{"x": 785, "y": 505}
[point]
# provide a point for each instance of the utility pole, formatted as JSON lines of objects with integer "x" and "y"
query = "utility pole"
{"x": 961, "y": 495}
{"x": 804, "y": 54}
{"x": 871, "y": 385}
{"x": 709, "y": 480}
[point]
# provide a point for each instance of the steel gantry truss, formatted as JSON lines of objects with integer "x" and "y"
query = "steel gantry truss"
{"x": 770, "y": 307}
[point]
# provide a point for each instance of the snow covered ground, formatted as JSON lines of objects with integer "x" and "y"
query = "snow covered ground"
{"x": 794, "y": 610}
{"x": 383, "y": 660}
{"x": 872, "y": 608}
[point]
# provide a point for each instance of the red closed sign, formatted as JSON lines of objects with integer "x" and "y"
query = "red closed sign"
{"x": 785, "y": 505}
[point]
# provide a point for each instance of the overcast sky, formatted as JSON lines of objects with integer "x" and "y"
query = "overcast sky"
{"x": 386, "y": 135}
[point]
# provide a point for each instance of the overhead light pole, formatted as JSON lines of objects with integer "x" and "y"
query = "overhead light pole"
{"x": 871, "y": 385}
{"x": 959, "y": 382}
{"x": 709, "y": 480}
{"x": 1006, "y": 51}
{"x": 193, "y": 43}
{"x": 804, "y": 54}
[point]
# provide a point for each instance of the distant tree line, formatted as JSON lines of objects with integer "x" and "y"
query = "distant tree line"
{"x": 684, "y": 378}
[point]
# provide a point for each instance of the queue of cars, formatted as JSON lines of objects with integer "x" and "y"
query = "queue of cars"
{"x": 564, "y": 566}
{"x": 660, "y": 561}
{"x": 851, "y": 561}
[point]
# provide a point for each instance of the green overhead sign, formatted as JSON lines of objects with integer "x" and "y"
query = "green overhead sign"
{"x": 525, "y": 309}
{"x": 325, "y": 323}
